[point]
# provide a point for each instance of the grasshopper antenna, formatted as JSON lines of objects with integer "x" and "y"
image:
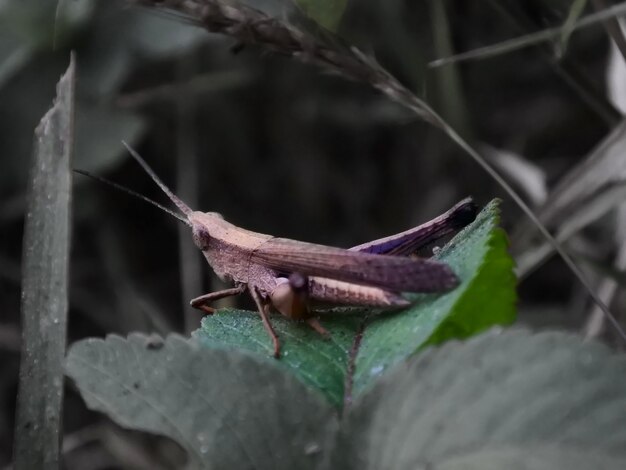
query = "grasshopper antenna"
{"x": 184, "y": 208}
{"x": 133, "y": 193}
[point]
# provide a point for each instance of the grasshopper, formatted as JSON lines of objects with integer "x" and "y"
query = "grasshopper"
{"x": 290, "y": 275}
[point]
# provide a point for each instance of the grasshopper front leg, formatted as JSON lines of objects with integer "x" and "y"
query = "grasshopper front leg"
{"x": 202, "y": 301}
{"x": 262, "y": 305}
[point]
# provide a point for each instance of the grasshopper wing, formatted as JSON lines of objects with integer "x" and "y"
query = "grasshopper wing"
{"x": 409, "y": 241}
{"x": 395, "y": 273}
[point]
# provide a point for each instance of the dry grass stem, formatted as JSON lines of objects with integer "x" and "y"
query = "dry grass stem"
{"x": 250, "y": 26}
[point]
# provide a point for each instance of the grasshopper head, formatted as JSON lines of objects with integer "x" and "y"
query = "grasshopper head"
{"x": 201, "y": 223}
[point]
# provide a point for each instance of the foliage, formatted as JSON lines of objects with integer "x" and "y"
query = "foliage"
{"x": 501, "y": 400}
{"x": 222, "y": 382}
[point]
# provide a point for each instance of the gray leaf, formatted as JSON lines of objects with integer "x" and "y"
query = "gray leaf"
{"x": 494, "y": 393}
{"x": 227, "y": 408}
{"x": 45, "y": 272}
{"x": 533, "y": 458}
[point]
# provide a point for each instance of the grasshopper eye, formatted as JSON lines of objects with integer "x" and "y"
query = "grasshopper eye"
{"x": 201, "y": 238}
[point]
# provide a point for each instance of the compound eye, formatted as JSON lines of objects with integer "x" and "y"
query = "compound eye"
{"x": 201, "y": 238}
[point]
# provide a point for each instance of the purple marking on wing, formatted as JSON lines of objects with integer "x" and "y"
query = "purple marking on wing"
{"x": 409, "y": 241}
{"x": 379, "y": 247}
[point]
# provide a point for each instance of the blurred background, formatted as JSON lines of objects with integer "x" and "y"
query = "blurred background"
{"x": 285, "y": 148}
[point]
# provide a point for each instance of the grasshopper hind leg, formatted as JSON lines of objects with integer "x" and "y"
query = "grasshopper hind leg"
{"x": 291, "y": 298}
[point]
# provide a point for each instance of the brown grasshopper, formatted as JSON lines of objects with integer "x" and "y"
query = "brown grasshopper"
{"x": 288, "y": 275}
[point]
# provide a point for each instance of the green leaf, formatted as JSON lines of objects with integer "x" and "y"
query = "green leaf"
{"x": 500, "y": 400}
{"x": 485, "y": 297}
{"x": 319, "y": 362}
{"x": 228, "y": 409}
{"x": 326, "y": 13}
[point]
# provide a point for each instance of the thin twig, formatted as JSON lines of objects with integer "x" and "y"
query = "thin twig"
{"x": 569, "y": 71}
{"x": 531, "y": 39}
{"x": 187, "y": 187}
{"x": 596, "y": 322}
{"x": 612, "y": 28}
